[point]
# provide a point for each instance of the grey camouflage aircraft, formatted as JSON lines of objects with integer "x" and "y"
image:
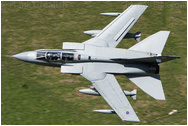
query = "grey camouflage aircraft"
{"x": 98, "y": 60}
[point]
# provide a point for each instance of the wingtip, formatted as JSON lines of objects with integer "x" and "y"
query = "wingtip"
{"x": 132, "y": 120}
{"x": 161, "y": 98}
{"x": 164, "y": 32}
{"x": 145, "y": 6}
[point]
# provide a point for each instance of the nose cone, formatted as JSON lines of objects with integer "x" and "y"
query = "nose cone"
{"x": 26, "y": 56}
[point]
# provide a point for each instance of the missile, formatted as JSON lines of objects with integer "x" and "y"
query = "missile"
{"x": 92, "y": 33}
{"x": 89, "y": 91}
{"x": 105, "y": 111}
{"x": 110, "y": 14}
{"x": 93, "y": 91}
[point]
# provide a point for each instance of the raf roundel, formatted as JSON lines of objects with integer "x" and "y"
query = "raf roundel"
{"x": 127, "y": 112}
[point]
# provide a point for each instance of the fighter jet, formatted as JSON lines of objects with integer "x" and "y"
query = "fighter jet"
{"x": 98, "y": 60}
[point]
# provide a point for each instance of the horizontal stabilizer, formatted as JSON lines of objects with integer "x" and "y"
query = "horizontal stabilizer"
{"x": 154, "y": 43}
{"x": 150, "y": 84}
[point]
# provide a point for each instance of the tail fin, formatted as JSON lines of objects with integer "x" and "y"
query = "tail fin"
{"x": 134, "y": 92}
{"x": 154, "y": 43}
{"x": 138, "y": 36}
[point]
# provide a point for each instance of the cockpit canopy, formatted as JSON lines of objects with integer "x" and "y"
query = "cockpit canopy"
{"x": 67, "y": 56}
{"x": 54, "y": 56}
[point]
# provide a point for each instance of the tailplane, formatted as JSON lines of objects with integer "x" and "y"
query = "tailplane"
{"x": 151, "y": 84}
{"x": 134, "y": 92}
{"x": 153, "y": 44}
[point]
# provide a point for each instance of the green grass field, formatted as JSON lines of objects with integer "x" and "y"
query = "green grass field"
{"x": 33, "y": 94}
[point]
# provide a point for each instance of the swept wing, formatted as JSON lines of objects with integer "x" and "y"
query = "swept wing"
{"x": 114, "y": 32}
{"x": 110, "y": 90}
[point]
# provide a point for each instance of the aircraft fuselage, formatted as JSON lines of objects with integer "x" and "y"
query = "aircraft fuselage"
{"x": 101, "y": 55}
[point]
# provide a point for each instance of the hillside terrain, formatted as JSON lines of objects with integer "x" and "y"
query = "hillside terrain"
{"x": 41, "y": 95}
